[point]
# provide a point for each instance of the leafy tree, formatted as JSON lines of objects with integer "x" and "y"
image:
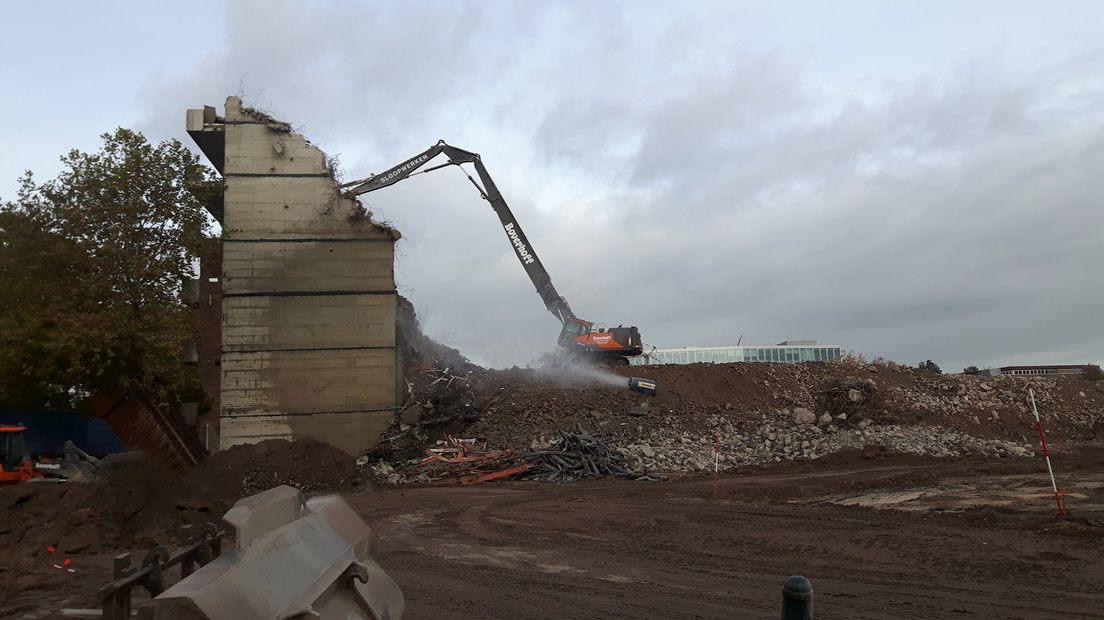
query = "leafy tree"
{"x": 1093, "y": 373}
{"x": 930, "y": 366}
{"x": 90, "y": 270}
{"x": 971, "y": 370}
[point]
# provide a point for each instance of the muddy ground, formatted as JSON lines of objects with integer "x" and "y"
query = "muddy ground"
{"x": 611, "y": 549}
{"x": 880, "y": 535}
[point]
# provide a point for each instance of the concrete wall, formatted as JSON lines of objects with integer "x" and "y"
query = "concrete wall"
{"x": 308, "y": 291}
{"x": 209, "y": 346}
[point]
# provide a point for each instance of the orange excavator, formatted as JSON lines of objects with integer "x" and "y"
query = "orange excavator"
{"x": 613, "y": 345}
{"x": 15, "y": 460}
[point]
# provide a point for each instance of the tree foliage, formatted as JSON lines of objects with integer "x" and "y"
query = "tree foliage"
{"x": 971, "y": 370}
{"x": 930, "y": 366}
{"x": 91, "y": 265}
{"x": 1093, "y": 373}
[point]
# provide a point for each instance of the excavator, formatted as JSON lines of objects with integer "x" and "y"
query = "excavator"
{"x": 613, "y": 345}
{"x": 15, "y": 460}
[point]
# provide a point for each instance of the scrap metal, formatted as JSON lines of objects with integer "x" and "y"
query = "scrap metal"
{"x": 581, "y": 454}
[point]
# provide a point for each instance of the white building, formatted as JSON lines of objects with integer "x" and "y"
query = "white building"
{"x": 790, "y": 351}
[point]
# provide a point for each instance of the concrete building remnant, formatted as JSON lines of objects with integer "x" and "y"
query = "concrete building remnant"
{"x": 308, "y": 290}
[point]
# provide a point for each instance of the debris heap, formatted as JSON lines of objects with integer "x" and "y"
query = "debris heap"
{"x": 578, "y": 455}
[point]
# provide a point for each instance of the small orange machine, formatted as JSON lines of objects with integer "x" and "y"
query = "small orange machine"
{"x": 15, "y": 460}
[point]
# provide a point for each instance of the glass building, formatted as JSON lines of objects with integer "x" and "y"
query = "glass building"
{"x": 789, "y": 352}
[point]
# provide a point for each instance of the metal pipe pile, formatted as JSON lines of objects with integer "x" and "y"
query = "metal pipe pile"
{"x": 580, "y": 454}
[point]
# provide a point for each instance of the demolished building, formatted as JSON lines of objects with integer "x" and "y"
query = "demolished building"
{"x": 308, "y": 299}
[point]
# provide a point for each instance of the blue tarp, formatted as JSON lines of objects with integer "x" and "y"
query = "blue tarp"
{"x": 47, "y": 432}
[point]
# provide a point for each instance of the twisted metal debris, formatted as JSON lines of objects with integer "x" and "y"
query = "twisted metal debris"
{"x": 580, "y": 454}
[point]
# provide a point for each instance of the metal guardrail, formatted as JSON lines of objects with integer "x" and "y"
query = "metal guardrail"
{"x": 202, "y": 544}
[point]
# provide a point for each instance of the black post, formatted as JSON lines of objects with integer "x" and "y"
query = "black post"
{"x": 797, "y": 599}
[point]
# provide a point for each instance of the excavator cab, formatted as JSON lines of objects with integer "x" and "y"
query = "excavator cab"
{"x": 616, "y": 344}
{"x": 15, "y": 459}
{"x": 573, "y": 329}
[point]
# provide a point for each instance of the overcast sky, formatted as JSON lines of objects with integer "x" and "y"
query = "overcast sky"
{"x": 907, "y": 179}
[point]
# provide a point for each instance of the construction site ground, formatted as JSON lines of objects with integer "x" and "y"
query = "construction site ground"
{"x": 951, "y": 539}
{"x": 880, "y": 534}
{"x": 911, "y": 495}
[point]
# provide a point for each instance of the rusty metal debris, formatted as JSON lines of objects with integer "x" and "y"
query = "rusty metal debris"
{"x": 572, "y": 456}
{"x": 505, "y": 473}
{"x": 464, "y": 460}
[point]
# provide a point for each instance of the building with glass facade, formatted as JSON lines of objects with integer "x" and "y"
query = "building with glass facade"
{"x": 1050, "y": 369}
{"x": 789, "y": 352}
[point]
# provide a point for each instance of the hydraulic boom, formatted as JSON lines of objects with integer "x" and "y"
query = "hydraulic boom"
{"x": 576, "y": 334}
{"x": 555, "y": 303}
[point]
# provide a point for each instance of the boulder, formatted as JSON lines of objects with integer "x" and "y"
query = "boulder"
{"x": 801, "y": 415}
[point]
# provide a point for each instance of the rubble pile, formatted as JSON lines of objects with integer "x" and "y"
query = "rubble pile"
{"x": 760, "y": 412}
{"x": 848, "y": 400}
{"x": 767, "y": 413}
{"x": 570, "y": 456}
{"x": 771, "y": 440}
{"x": 443, "y": 392}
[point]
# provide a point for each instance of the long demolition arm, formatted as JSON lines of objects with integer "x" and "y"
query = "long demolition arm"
{"x": 556, "y": 304}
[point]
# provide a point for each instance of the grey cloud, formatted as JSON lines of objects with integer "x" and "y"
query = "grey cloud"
{"x": 702, "y": 189}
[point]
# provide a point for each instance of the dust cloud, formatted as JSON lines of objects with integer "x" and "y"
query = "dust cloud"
{"x": 567, "y": 368}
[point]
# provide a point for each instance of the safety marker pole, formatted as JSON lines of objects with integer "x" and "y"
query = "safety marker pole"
{"x": 716, "y": 462}
{"x": 1046, "y": 455}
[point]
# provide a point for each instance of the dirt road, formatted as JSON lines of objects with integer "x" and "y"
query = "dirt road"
{"x": 971, "y": 538}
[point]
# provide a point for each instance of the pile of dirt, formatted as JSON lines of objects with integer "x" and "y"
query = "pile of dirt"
{"x": 761, "y": 412}
{"x": 136, "y": 508}
{"x": 43, "y": 524}
{"x": 766, "y": 413}
{"x": 237, "y": 472}
{"x": 145, "y": 505}
{"x": 988, "y": 407}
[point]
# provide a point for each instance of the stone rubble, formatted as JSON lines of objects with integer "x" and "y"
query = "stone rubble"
{"x": 773, "y": 443}
{"x": 768, "y": 413}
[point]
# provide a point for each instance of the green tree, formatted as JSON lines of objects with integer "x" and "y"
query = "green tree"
{"x": 930, "y": 366}
{"x": 90, "y": 270}
{"x": 971, "y": 370}
{"x": 1093, "y": 373}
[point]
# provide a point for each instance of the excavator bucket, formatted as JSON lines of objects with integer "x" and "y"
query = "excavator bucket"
{"x": 79, "y": 466}
{"x": 294, "y": 558}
